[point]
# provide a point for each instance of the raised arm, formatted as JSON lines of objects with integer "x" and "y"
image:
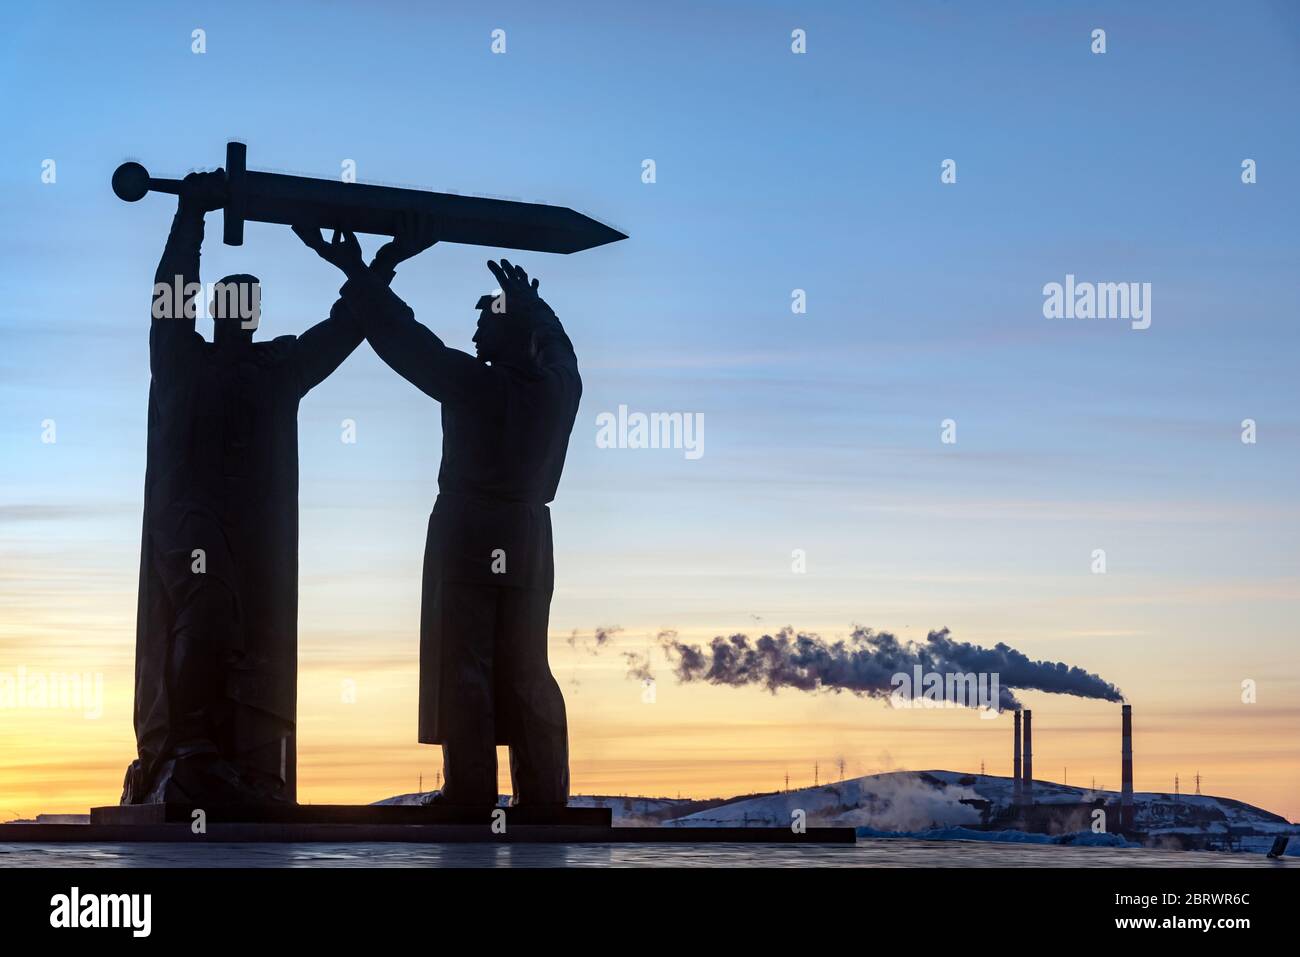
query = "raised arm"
{"x": 413, "y": 351}
{"x": 176, "y": 282}
{"x": 322, "y": 348}
{"x": 555, "y": 355}
{"x": 410, "y": 349}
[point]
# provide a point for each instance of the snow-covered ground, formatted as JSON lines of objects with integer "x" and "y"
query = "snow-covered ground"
{"x": 899, "y": 801}
{"x": 949, "y": 805}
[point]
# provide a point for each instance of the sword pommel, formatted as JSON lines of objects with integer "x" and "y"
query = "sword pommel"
{"x": 131, "y": 182}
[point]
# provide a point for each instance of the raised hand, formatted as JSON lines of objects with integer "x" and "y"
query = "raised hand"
{"x": 204, "y": 192}
{"x": 343, "y": 250}
{"x": 416, "y": 232}
{"x": 521, "y": 295}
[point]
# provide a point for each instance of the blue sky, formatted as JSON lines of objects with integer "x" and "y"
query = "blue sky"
{"x": 775, "y": 171}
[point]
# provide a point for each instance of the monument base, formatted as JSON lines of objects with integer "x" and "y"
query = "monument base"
{"x": 348, "y": 814}
{"x": 380, "y": 823}
{"x": 412, "y": 834}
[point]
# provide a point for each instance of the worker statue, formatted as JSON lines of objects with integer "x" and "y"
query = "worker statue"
{"x": 488, "y": 563}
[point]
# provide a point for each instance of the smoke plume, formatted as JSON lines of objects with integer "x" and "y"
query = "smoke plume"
{"x": 865, "y": 664}
{"x": 598, "y": 640}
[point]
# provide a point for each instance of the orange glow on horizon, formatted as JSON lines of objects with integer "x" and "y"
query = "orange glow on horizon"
{"x": 692, "y": 741}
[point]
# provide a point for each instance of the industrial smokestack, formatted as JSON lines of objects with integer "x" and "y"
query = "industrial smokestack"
{"x": 1027, "y": 791}
{"x": 1126, "y": 769}
{"x": 1015, "y": 799}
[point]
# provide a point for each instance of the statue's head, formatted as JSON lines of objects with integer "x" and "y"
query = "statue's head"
{"x": 236, "y": 309}
{"x": 502, "y": 337}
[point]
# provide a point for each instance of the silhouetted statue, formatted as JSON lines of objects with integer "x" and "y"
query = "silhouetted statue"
{"x": 217, "y": 620}
{"x": 488, "y": 565}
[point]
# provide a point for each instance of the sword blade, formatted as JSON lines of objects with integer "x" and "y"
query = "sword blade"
{"x": 475, "y": 220}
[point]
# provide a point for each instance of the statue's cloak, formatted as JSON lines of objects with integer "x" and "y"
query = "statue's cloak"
{"x": 222, "y": 474}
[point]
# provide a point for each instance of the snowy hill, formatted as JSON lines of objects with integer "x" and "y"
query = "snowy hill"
{"x": 917, "y": 803}
{"x": 953, "y": 805}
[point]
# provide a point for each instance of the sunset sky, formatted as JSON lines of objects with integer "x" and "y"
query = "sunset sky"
{"x": 775, "y": 171}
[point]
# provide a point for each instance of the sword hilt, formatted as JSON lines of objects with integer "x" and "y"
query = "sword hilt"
{"x": 131, "y": 182}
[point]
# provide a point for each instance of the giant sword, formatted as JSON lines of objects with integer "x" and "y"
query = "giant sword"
{"x": 362, "y": 208}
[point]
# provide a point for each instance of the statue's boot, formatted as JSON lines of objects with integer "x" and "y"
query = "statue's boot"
{"x": 197, "y": 774}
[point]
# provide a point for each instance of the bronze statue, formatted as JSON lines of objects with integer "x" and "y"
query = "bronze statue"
{"x": 216, "y": 631}
{"x": 217, "y": 618}
{"x": 488, "y": 564}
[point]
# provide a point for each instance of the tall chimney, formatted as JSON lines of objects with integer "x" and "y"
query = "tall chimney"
{"x": 1126, "y": 769}
{"x": 1027, "y": 790}
{"x": 1015, "y": 799}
